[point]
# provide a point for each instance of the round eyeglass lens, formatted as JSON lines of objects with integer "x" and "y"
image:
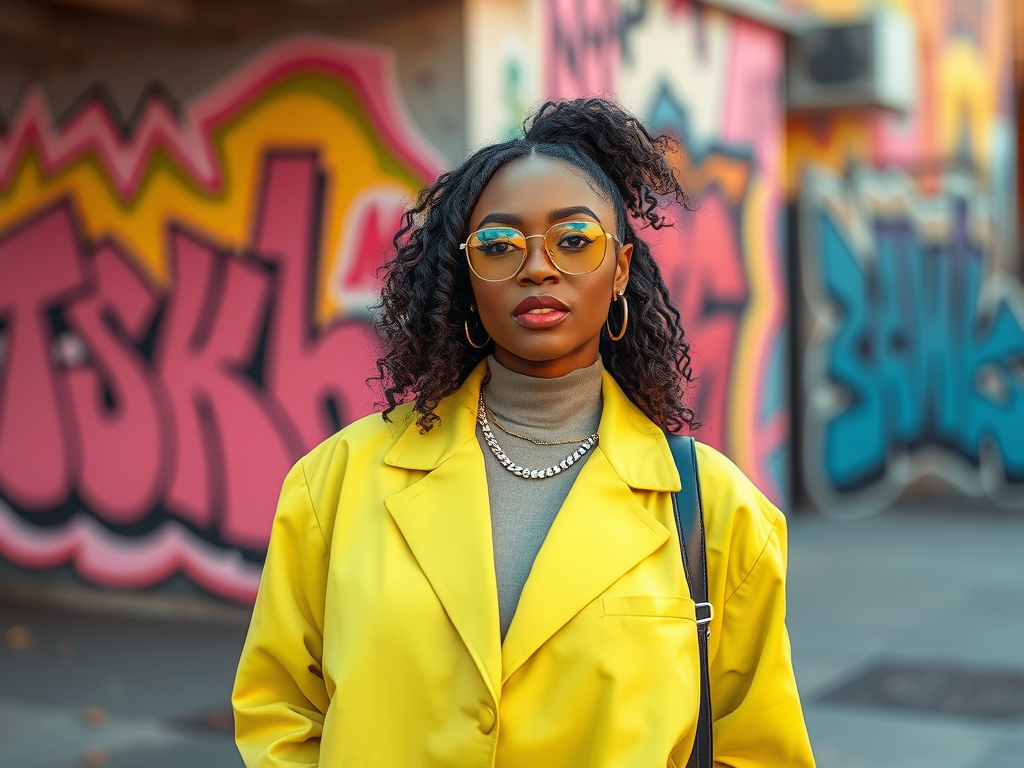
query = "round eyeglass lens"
{"x": 496, "y": 253}
{"x": 576, "y": 247}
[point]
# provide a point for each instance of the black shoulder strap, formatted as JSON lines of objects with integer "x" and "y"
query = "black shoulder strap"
{"x": 689, "y": 514}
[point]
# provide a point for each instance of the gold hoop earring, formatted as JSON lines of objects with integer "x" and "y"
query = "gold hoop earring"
{"x": 625, "y": 319}
{"x": 465, "y": 326}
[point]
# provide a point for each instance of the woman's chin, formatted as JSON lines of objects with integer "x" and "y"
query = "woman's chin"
{"x": 546, "y": 350}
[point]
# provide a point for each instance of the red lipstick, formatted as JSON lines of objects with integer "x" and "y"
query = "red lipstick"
{"x": 539, "y": 312}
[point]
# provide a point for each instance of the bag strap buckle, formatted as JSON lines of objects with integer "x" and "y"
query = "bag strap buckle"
{"x": 705, "y": 620}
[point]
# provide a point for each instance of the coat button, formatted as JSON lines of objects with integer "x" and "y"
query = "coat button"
{"x": 487, "y": 719}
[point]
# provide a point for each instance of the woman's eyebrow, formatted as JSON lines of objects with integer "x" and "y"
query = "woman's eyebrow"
{"x": 501, "y": 218}
{"x": 572, "y": 210}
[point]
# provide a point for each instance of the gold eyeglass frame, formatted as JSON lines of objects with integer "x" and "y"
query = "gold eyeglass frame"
{"x": 547, "y": 250}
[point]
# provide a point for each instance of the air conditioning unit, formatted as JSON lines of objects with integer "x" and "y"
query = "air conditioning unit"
{"x": 864, "y": 62}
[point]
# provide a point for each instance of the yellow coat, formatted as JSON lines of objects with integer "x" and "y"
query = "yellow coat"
{"x": 375, "y": 638}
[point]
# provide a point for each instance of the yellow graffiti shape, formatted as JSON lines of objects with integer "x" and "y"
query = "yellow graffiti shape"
{"x": 307, "y": 111}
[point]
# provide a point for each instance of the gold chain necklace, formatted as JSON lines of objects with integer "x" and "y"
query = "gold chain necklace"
{"x": 534, "y": 440}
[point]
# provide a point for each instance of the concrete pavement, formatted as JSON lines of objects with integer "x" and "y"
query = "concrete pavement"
{"x": 922, "y": 584}
{"x": 936, "y": 585}
{"x": 94, "y": 690}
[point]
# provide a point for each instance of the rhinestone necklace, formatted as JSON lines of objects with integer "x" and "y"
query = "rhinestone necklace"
{"x": 515, "y": 469}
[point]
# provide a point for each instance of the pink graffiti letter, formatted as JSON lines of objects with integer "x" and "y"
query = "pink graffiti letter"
{"x": 583, "y": 50}
{"x": 39, "y": 268}
{"x": 703, "y": 268}
{"x": 122, "y": 441}
{"x": 230, "y": 456}
{"x": 305, "y": 371}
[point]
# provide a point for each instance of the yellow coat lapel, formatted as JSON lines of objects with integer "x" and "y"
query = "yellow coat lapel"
{"x": 446, "y": 522}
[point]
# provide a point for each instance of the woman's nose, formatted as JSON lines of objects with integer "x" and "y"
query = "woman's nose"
{"x": 538, "y": 267}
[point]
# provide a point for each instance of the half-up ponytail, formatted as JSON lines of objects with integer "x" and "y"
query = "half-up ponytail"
{"x": 426, "y": 289}
{"x": 634, "y": 161}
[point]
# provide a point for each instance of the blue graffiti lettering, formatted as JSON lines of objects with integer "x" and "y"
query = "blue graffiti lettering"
{"x": 924, "y": 358}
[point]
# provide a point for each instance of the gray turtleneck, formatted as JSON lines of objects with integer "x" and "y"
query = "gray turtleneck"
{"x": 522, "y": 510}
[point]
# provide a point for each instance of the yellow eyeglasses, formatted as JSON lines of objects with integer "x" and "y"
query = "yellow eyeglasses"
{"x": 574, "y": 247}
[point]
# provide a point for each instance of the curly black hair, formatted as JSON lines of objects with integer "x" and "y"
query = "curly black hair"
{"x": 426, "y": 291}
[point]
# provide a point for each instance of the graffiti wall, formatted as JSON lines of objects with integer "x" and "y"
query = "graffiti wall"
{"x": 715, "y": 82}
{"x": 183, "y": 308}
{"x": 913, "y": 354}
{"x": 183, "y": 295}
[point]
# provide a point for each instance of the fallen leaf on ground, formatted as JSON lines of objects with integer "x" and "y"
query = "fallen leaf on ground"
{"x": 95, "y": 716}
{"x": 222, "y": 720}
{"x": 20, "y": 638}
{"x": 95, "y": 757}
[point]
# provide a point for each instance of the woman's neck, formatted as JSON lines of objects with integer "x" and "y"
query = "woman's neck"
{"x": 546, "y": 406}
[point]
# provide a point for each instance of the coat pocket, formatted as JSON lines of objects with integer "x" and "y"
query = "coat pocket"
{"x": 650, "y": 664}
{"x": 650, "y": 605}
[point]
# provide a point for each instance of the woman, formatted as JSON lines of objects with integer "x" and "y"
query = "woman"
{"x": 490, "y": 574}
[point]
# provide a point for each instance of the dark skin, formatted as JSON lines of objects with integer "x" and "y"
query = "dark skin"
{"x": 531, "y": 194}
